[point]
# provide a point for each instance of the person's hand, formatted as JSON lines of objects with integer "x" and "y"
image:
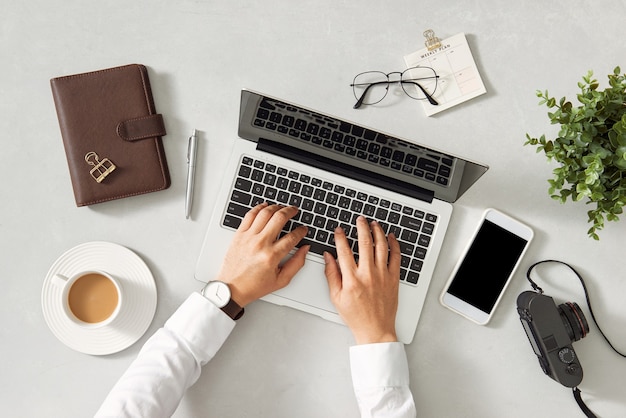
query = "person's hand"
{"x": 366, "y": 294}
{"x": 251, "y": 266}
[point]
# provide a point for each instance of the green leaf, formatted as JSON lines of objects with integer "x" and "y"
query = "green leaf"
{"x": 620, "y": 163}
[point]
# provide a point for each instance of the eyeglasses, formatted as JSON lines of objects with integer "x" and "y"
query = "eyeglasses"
{"x": 418, "y": 83}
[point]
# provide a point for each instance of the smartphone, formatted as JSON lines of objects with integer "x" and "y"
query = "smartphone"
{"x": 486, "y": 267}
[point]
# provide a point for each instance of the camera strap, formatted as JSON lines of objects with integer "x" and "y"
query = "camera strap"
{"x": 576, "y": 391}
{"x": 581, "y": 404}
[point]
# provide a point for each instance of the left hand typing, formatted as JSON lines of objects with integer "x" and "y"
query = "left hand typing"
{"x": 251, "y": 266}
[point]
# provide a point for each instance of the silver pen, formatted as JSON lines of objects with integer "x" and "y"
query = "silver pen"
{"x": 192, "y": 150}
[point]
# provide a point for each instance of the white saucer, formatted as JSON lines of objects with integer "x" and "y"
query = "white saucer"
{"x": 140, "y": 298}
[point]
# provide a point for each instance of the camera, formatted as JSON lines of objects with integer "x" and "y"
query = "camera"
{"x": 551, "y": 330}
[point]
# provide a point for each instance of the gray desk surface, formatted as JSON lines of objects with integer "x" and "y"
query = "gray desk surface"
{"x": 278, "y": 362}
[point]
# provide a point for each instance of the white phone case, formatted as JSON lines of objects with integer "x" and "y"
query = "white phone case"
{"x": 464, "y": 308}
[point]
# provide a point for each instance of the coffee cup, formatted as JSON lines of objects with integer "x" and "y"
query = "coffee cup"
{"x": 90, "y": 299}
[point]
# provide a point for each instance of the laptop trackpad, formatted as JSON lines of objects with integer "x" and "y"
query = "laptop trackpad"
{"x": 309, "y": 288}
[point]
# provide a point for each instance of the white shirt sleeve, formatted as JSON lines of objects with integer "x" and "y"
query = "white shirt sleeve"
{"x": 380, "y": 376}
{"x": 169, "y": 362}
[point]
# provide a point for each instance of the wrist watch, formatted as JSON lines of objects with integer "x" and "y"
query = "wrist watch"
{"x": 219, "y": 293}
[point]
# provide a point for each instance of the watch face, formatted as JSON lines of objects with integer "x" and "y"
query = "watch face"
{"x": 218, "y": 293}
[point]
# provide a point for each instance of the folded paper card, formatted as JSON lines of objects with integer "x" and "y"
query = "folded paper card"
{"x": 111, "y": 134}
{"x": 451, "y": 58}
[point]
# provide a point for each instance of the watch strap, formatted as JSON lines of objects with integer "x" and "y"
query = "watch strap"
{"x": 233, "y": 310}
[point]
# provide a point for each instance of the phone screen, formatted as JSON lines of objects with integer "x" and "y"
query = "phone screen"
{"x": 488, "y": 264}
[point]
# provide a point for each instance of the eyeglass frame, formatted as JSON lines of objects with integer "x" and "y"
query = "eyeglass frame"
{"x": 429, "y": 97}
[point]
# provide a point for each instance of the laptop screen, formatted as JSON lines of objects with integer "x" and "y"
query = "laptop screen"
{"x": 354, "y": 151}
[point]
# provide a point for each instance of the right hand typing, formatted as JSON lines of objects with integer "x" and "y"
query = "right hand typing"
{"x": 366, "y": 294}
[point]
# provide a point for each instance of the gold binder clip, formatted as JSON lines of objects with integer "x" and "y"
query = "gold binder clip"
{"x": 101, "y": 169}
{"x": 432, "y": 42}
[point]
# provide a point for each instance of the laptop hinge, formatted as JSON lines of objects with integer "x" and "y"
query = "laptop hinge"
{"x": 343, "y": 169}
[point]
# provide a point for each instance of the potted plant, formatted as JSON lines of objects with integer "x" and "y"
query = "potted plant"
{"x": 590, "y": 148}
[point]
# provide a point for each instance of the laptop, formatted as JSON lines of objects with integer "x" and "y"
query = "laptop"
{"x": 334, "y": 171}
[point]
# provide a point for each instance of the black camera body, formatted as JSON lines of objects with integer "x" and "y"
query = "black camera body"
{"x": 551, "y": 330}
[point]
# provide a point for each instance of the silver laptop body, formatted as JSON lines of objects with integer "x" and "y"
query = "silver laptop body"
{"x": 335, "y": 170}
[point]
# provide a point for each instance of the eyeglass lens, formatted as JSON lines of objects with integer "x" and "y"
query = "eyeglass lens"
{"x": 372, "y": 86}
{"x": 416, "y": 77}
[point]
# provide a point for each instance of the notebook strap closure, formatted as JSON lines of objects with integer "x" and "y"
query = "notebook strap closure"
{"x": 141, "y": 128}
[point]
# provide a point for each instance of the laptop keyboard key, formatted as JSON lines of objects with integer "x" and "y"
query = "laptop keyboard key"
{"x": 270, "y": 193}
{"x": 428, "y": 228}
{"x": 424, "y": 240}
{"x": 318, "y": 248}
{"x": 231, "y": 221}
{"x": 237, "y": 210}
{"x": 240, "y": 197}
{"x": 412, "y": 277}
{"x": 409, "y": 222}
{"x": 420, "y": 252}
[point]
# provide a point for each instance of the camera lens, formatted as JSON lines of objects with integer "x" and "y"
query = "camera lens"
{"x": 574, "y": 320}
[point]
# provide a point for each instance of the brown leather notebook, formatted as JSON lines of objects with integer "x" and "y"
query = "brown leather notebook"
{"x": 111, "y": 133}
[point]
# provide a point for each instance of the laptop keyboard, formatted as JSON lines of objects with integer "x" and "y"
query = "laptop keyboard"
{"x": 354, "y": 141}
{"x": 324, "y": 205}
